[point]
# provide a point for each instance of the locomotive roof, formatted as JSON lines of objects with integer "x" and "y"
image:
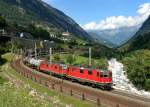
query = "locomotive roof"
{"x": 90, "y": 69}
{"x": 79, "y": 66}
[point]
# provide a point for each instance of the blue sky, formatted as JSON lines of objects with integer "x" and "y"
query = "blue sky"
{"x": 95, "y": 11}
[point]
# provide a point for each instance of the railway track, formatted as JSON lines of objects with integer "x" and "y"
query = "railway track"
{"x": 107, "y": 98}
{"x": 131, "y": 95}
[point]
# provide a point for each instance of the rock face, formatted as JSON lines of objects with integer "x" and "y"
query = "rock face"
{"x": 114, "y": 36}
{"x": 37, "y": 11}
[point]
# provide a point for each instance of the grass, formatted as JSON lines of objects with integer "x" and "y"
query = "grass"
{"x": 20, "y": 97}
{"x": 2, "y": 80}
{"x": 14, "y": 95}
{"x": 81, "y": 60}
{"x": 10, "y": 96}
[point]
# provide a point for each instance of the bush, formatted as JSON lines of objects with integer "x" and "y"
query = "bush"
{"x": 57, "y": 57}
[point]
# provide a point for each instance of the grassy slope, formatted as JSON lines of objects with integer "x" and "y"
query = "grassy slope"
{"x": 20, "y": 97}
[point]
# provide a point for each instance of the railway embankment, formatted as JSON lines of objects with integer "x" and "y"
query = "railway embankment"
{"x": 19, "y": 91}
{"x": 99, "y": 97}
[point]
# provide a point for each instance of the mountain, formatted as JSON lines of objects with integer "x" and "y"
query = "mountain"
{"x": 141, "y": 40}
{"x": 38, "y": 12}
{"x": 101, "y": 40}
{"x": 136, "y": 59}
{"x": 116, "y": 37}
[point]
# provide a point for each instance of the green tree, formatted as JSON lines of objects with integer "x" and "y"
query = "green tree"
{"x": 0, "y": 56}
{"x": 103, "y": 63}
{"x": 137, "y": 65}
{"x": 147, "y": 84}
{"x": 70, "y": 59}
{"x": 57, "y": 57}
{"x": 15, "y": 45}
{"x": 38, "y": 32}
{"x": 3, "y": 22}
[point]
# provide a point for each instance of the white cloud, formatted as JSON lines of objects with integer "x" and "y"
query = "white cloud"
{"x": 144, "y": 9}
{"x": 45, "y": 0}
{"x": 116, "y": 22}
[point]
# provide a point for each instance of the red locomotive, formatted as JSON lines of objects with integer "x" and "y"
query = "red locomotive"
{"x": 95, "y": 77}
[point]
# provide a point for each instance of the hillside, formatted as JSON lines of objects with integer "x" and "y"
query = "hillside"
{"x": 38, "y": 12}
{"x": 137, "y": 57}
{"x": 141, "y": 39}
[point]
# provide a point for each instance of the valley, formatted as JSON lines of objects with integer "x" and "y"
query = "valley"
{"x": 35, "y": 29}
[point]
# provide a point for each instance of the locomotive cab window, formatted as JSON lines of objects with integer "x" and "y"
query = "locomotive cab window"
{"x": 110, "y": 74}
{"x": 105, "y": 75}
{"x": 81, "y": 71}
{"x": 90, "y": 72}
{"x": 97, "y": 74}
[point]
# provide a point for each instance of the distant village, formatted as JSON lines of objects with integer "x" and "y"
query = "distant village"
{"x": 66, "y": 36}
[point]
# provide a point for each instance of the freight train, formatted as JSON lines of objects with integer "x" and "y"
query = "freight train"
{"x": 94, "y": 77}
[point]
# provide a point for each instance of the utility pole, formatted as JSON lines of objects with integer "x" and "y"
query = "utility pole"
{"x": 40, "y": 53}
{"x": 50, "y": 57}
{"x": 21, "y": 52}
{"x": 12, "y": 46}
{"x": 35, "y": 51}
{"x": 90, "y": 52}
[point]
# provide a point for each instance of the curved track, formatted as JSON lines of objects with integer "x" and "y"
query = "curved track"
{"x": 108, "y": 98}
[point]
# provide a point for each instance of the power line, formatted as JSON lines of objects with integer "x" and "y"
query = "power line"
{"x": 90, "y": 52}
